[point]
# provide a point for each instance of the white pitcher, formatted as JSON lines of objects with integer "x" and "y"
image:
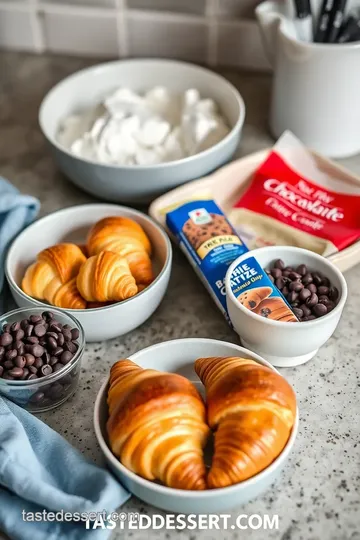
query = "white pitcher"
{"x": 316, "y": 87}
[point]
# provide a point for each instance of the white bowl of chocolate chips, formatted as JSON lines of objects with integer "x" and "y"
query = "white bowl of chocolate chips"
{"x": 315, "y": 290}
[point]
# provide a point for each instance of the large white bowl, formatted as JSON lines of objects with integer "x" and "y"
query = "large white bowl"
{"x": 139, "y": 183}
{"x": 72, "y": 225}
{"x": 178, "y": 356}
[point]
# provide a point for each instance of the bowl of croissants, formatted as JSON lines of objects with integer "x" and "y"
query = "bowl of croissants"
{"x": 195, "y": 425}
{"x": 108, "y": 265}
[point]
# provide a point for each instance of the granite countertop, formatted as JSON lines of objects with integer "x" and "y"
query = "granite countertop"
{"x": 318, "y": 494}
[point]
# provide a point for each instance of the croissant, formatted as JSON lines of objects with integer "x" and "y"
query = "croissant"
{"x": 157, "y": 426}
{"x": 53, "y": 276}
{"x": 252, "y": 408}
{"x": 127, "y": 238}
{"x": 106, "y": 277}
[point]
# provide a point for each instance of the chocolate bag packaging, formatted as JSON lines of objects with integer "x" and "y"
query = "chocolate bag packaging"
{"x": 293, "y": 200}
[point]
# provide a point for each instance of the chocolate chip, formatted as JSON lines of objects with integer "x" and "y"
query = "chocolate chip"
{"x": 312, "y": 288}
{"x": 70, "y": 346}
{"x": 32, "y": 376}
{"x": 25, "y": 373}
{"x": 66, "y": 357}
{"x": 1, "y": 371}
{"x": 7, "y": 375}
{"x": 20, "y": 361}
{"x": 16, "y": 372}
{"x": 319, "y": 310}
{"x": 302, "y": 269}
{"x": 30, "y": 359}
{"x": 296, "y": 286}
{"x": 38, "y": 363}
{"x": 32, "y": 369}
{"x": 39, "y": 330}
{"x": 6, "y": 339}
{"x": 7, "y": 328}
{"x": 279, "y": 264}
{"x": 28, "y": 330}
{"x": 46, "y": 370}
{"x": 24, "y": 323}
{"x": 294, "y": 275}
{"x": 53, "y": 360}
{"x": 317, "y": 279}
{"x": 292, "y": 297}
{"x": 307, "y": 279}
{"x": 35, "y": 319}
{"x": 48, "y": 315}
{"x": 285, "y": 291}
{"x": 61, "y": 339}
{"x": 280, "y": 283}
{"x": 75, "y": 333}
{"x": 33, "y": 340}
{"x": 333, "y": 294}
{"x": 37, "y": 397}
{"x": 298, "y": 313}
{"x": 11, "y": 354}
{"x": 55, "y": 327}
{"x": 252, "y": 304}
{"x": 276, "y": 273}
{"x": 8, "y": 364}
{"x": 46, "y": 357}
{"x": 58, "y": 366}
{"x": 2, "y": 352}
{"x": 37, "y": 350}
{"x": 312, "y": 300}
{"x": 58, "y": 351}
{"x": 67, "y": 335}
{"x": 304, "y": 295}
{"x": 52, "y": 342}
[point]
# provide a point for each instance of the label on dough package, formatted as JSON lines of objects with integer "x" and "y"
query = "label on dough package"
{"x": 252, "y": 287}
{"x": 209, "y": 242}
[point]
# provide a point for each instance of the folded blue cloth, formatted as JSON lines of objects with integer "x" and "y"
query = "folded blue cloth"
{"x": 16, "y": 212}
{"x": 40, "y": 470}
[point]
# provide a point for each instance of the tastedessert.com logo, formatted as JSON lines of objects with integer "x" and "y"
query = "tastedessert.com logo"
{"x": 132, "y": 520}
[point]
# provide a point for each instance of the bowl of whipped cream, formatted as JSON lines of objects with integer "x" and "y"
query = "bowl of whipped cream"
{"x": 129, "y": 130}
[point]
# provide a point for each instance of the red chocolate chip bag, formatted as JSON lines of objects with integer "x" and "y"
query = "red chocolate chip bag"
{"x": 293, "y": 199}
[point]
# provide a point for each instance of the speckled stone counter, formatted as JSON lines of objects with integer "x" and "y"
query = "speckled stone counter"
{"x": 318, "y": 495}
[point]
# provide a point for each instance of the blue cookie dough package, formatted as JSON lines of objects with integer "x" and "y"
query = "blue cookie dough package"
{"x": 209, "y": 242}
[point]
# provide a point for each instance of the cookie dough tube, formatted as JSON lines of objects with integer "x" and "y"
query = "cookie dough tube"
{"x": 209, "y": 242}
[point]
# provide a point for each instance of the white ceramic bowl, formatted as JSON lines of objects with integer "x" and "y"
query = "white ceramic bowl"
{"x": 285, "y": 344}
{"x": 72, "y": 225}
{"x": 139, "y": 183}
{"x": 178, "y": 356}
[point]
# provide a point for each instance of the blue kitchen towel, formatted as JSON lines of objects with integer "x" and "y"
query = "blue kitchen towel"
{"x": 17, "y": 211}
{"x": 40, "y": 470}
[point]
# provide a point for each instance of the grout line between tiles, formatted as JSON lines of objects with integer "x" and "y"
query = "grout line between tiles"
{"x": 37, "y": 25}
{"x": 122, "y": 28}
{"x": 213, "y": 32}
{"x": 166, "y": 16}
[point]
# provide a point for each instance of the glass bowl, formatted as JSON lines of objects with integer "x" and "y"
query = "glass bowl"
{"x": 50, "y": 391}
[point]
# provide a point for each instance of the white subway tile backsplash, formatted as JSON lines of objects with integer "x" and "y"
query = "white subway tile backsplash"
{"x": 240, "y": 45}
{"x": 196, "y": 7}
{"x": 89, "y": 3}
{"x": 16, "y": 29}
{"x": 237, "y": 8}
{"x": 85, "y": 34}
{"x": 167, "y": 37}
{"x": 214, "y": 32}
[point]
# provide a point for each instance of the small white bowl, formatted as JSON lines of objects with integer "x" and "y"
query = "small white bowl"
{"x": 178, "y": 356}
{"x": 139, "y": 183}
{"x": 285, "y": 344}
{"x": 72, "y": 225}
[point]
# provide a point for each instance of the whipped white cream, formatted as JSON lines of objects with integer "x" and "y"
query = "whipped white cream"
{"x": 132, "y": 129}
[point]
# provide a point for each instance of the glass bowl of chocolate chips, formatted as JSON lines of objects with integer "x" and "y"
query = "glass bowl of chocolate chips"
{"x": 40, "y": 356}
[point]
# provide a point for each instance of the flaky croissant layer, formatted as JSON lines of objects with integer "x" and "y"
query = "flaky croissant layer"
{"x": 106, "y": 277}
{"x": 252, "y": 410}
{"x": 127, "y": 238}
{"x": 157, "y": 425}
{"x": 53, "y": 276}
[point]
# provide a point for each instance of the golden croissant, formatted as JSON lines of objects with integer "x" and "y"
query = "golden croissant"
{"x": 252, "y": 408}
{"x": 106, "y": 277}
{"x": 53, "y": 276}
{"x": 127, "y": 238}
{"x": 157, "y": 426}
